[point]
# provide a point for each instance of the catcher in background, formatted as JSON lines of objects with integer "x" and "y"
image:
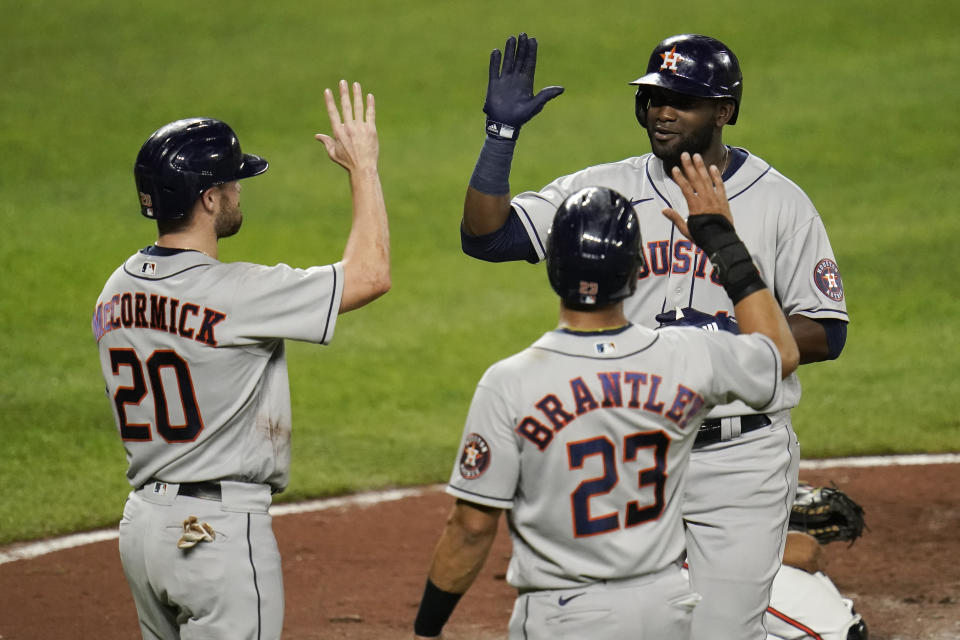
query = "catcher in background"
{"x": 804, "y": 603}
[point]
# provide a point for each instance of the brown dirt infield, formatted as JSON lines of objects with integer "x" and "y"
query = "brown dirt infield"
{"x": 357, "y": 572}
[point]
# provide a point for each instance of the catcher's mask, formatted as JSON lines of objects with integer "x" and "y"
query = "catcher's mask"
{"x": 593, "y": 249}
{"x": 181, "y": 160}
{"x": 693, "y": 65}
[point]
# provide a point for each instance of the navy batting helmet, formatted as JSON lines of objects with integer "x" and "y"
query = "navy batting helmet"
{"x": 593, "y": 250}
{"x": 181, "y": 160}
{"x": 693, "y": 65}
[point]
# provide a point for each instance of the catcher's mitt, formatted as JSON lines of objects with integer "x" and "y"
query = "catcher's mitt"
{"x": 827, "y": 514}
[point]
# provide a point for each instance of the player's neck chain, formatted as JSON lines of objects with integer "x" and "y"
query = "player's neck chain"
{"x": 614, "y": 329}
{"x": 726, "y": 159}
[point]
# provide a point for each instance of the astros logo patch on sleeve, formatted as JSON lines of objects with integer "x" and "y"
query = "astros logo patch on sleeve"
{"x": 475, "y": 457}
{"x": 827, "y": 276}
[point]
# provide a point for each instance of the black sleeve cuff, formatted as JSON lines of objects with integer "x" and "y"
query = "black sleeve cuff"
{"x": 836, "y": 335}
{"x": 436, "y": 606}
{"x": 509, "y": 242}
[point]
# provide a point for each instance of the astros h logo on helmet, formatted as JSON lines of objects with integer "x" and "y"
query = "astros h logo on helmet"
{"x": 671, "y": 59}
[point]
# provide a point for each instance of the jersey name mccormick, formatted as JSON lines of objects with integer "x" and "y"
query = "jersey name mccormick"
{"x": 619, "y": 389}
{"x": 160, "y": 313}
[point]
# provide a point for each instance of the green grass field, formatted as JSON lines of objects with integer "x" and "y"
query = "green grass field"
{"x": 855, "y": 101}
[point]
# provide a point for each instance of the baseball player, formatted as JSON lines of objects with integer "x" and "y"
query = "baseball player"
{"x": 192, "y": 351}
{"x": 804, "y": 602}
{"x": 743, "y": 469}
{"x": 584, "y": 437}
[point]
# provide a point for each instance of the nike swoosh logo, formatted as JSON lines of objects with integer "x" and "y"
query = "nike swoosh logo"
{"x": 563, "y": 601}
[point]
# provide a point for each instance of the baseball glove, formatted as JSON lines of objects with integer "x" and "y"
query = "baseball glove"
{"x": 827, "y": 514}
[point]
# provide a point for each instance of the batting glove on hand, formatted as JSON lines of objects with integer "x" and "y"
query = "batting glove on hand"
{"x": 195, "y": 531}
{"x": 690, "y": 317}
{"x": 510, "y": 101}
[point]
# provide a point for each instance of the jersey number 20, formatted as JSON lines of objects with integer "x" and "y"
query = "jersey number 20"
{"x": 586, "y": 525}
{"x": 134, "y": 394}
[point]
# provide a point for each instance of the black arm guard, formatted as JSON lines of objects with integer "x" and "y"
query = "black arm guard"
{"x": 735, "y": 269}
{"x": 436, "y": 607}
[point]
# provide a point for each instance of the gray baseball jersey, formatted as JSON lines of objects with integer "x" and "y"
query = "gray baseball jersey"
{"x": 739, "y": 492}
{"x": 585, "y": 437}
{"x": 192, "y": 352}
{"x": 773, "y": 217}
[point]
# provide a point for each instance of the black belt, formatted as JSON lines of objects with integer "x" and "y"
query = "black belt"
{"x": 205, "y": 490}
{"x": 710, "y": 429}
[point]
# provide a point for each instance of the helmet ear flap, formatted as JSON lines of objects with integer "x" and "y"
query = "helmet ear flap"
{"x": 640, "y": 106}
{"x": 736, "y": 111}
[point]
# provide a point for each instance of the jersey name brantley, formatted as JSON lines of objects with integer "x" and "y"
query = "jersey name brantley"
{"x": 160, "y": 313}
{"x": 619, "y": 389}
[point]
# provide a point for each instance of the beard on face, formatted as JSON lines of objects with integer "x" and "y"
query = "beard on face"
{"x": 228, "y": 220}
{"x": 696, "y": 141}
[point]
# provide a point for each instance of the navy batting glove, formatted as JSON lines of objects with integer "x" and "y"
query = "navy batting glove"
{"x": 690, "y": 317}
{"x": 510, "y": 101}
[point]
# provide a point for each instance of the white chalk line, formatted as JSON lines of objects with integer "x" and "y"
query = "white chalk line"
{"x": 35, "y": 549}
{"x": 883, "y": 461}
{"x": 26, "y": 551}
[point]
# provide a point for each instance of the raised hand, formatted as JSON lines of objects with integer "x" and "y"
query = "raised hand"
{"x": 354, "y": 143}
{"x": 510, "y": 100}
{"x": 703, "y": 190}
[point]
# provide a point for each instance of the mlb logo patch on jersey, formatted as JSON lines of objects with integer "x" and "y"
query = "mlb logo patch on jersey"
{"x": 149, "y": 268}
{"x": 827, "y": 276}
{"x": 475, "y": 457}
{"x": 606, "y": 347}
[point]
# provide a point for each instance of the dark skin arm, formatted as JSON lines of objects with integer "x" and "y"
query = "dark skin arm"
{"x": 484, "y": 213}
{"x": 811, "y": 337}
{"x": 510, "y": 99}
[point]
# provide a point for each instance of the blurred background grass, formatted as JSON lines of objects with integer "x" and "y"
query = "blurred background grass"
{"x": 854, "y": 101}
